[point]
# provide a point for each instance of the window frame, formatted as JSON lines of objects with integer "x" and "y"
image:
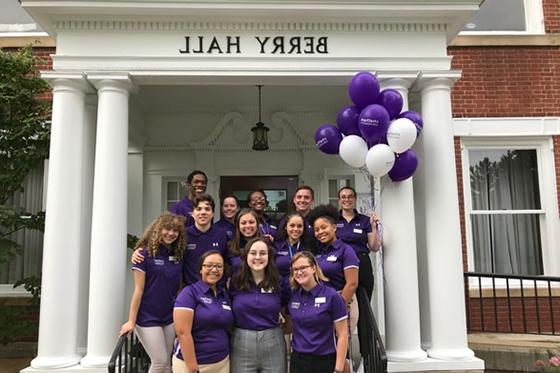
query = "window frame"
{"x": 548, "y": 219}
{"x": 534, "y": 22}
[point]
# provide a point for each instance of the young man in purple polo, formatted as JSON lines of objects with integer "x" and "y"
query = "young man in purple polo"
{"x": 196, "y": 185}
{"x": 303, "y": 202}
{"x": 202, "y": 236}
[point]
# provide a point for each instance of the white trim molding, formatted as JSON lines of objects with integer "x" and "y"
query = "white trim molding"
{"x": 506, "y": 127}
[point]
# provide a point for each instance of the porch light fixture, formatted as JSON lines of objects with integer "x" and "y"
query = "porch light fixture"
{"x": 260, "y": 136}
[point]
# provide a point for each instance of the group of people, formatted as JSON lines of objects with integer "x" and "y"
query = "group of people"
{"x": 249, "y": 282}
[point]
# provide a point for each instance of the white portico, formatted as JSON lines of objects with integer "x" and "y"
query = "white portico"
{"x": 144, "y": 91}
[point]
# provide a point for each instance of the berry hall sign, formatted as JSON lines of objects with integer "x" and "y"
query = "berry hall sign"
{"x": 267, "y": 45}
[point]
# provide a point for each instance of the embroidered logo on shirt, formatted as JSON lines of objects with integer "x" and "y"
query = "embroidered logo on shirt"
{"x": 191, "y": 246}
{"x": 206, "y": 300}
{"x": 159, "y": 262}
{"x": 295, "y": 305}
{"x": 282, "y": 253}
{"x": 340, "y": 225}
{"x": 331, "y": 258}
{"x": 215, "y": 244}
{"x": 226, "y": 307}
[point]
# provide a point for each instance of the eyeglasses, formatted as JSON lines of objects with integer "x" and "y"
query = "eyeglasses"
{"x": 301, "y": 269}
{"x": 258, "y": 199}
{"x": 210, "y": 267}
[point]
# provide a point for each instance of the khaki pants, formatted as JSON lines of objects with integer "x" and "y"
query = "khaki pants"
{"x": 179, "y": 366}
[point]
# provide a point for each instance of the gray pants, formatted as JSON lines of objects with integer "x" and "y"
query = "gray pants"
{"x": 158, "y": 343}
{"x": 258, "y": 351}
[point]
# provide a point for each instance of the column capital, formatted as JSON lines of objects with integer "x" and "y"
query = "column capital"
{"x": 111, "y": 81}
{"x": 436, "y": 80}
{"x": 398, "y": 80}
{"x": 67, "y": 81}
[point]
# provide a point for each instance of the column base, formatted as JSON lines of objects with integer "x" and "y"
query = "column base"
{"x": 55, "y": 362}
{"x": 406, "y": 356}
{"x": 429, "y": 365}
{"x": 451, "y": 354}
{"x": 95, "y": 361}
{"x": 72, "y": 369}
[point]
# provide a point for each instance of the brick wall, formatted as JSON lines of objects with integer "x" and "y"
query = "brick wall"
{"x": 506, "y": 82}
{"x": 529, "y": 315}
{"x": 551, "y": 10}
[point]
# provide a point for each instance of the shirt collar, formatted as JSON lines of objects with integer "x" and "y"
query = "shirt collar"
{"x": 205, "y": 289}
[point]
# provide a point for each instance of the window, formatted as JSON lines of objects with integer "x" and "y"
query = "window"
{"x": 508, "y": 16}
{"x": 510, "y": 205}
{"x": 175, "y": 191}
{"x": 335, "y": 185}
{"x": 29, "y": 261}
{"x": 506, "y": 211}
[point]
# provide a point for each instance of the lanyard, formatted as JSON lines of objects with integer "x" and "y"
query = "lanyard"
{"x": 291, "y": 248}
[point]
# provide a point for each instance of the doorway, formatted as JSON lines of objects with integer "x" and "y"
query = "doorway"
{"x": 279, "y": 191}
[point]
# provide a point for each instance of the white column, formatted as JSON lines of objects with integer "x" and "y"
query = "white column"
{"x": 109, "y": 219}
{"x": 62, "y": 249}
{"x": 402, "y": 311}
{"x": 442, "y": 268}
{"x": 87, "y": 200}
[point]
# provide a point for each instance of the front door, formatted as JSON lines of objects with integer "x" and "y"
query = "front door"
{"x": 279, "y": 191}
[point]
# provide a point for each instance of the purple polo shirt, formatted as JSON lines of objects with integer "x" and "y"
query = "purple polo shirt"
{"x": 284, "y": 254}
{"x": 163, "y": 274}
{"x": 334, "y": 259}
{"x": 212, "y": 318}
{"x": 183, "y": 207}
{"x": 313, "y": 316}
{"x": 226, "y": 226}
{"x": 197, "y": 244}
{"x": 257, "y": 308}
{"x": 267, "y": 226}
{"x": 235, "y": 260}
{"x": 355, "y": 232}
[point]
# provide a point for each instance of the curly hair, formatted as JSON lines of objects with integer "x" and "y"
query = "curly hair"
{"x": 328, "y": 212}
{"x": 271, "y": 277}
{"x": 151, "y": 238}
{"x": 235, "y": 243}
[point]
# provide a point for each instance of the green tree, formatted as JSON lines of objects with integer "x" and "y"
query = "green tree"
{"x": 24, "y": 141}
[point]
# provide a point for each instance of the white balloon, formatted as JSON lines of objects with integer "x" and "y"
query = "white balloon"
{"x": 380, "y": 159}
{"x": 353, "y": 150}
{"x": 401, "y": 135}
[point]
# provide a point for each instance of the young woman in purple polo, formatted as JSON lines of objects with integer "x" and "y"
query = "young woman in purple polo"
{"x": 357, "y": 231}
{"x": 258, "y": 343}
{"x": 317, "y": 312}
{"x": 292, "y": 238}
{"x": 246, "y": 228}
{"x": 156, "y": 283}
{"x": 230, "y": 208}
{"x": 202, "y": 316}
{"x": 337, "y": 260}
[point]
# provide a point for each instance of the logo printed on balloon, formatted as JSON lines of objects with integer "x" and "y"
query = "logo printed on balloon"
{"x": 328, "y": 138}
{"x": 373, "y": 123}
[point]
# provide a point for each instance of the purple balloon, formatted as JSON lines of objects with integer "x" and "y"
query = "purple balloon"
{"x": 363, "y": 89}
{"x": 382, "y": 140}
{"x": 405, "y": 165}
{"x": 373, "y": 123}
{"x": 347, "y": 120}
{"x": 391, "y": 100}
{"x": 415, "y": 118}
{"x": 328, "y": 138}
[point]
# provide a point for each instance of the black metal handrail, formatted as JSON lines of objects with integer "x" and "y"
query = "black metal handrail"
{"x": 371, "y": 345}
{"x": 529, "y": 306}
{"x": 129, "y": 356}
